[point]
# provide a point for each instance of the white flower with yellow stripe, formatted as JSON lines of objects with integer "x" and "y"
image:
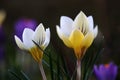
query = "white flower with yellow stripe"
{"x": 78, "y": 33}
{"x": 40, "y": 36}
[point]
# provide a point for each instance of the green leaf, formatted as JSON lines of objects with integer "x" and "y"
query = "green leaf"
{"x": 17, "y": 74}
{"x": 91, "y": 56}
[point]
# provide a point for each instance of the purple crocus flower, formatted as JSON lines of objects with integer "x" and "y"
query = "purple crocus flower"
{"x": 2, "y": 43}
{"x": 106, "y": 72}
{"x": 22, "y": 23}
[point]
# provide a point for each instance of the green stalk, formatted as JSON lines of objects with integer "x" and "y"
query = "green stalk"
{"x": 51, "y": 66}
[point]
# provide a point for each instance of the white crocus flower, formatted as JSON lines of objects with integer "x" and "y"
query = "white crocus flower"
{"x": 78, "y": 33}
{"x": 30, "y": 37}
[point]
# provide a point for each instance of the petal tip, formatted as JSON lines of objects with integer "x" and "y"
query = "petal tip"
{"x": 19, "y": 42}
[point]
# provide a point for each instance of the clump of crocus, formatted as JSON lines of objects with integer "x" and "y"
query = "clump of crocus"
{"x": 106, "y": 71}
{"x": 22, "y": 23}
{"x": 77, "y": 34}
{"x": 35, "y": 42}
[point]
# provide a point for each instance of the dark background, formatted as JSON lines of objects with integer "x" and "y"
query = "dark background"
{"x": 106, "y": 14}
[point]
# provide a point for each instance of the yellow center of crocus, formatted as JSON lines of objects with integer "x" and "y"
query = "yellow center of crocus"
{"x": 36, "y": 53}
{"x": 76, "y": 38}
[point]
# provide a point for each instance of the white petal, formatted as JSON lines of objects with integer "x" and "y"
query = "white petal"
{"x": 47, "y": 38}
{"x": 59, "y": 31}
{"x": 95, "y": 31}
{"x": 27, "y": 37}
{"x": 66, "y": 25}
{"x": 91, "y": 23}
{"x": 39, "y": 35}
{"x": 64, "y": 38}
{"x": 81, "y": 22}
{"x": 19, "y": 43}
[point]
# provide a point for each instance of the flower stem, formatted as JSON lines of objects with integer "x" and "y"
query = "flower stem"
{"x": 42, "y": 71}
{"x": 78, "y": 70}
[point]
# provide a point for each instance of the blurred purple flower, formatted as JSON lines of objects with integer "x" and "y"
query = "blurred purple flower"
{"x": 2, "y": 43}
{"x": 106, "y": 72}
{"x": 22, "y": 23}
{"x": 2, "y": 35}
